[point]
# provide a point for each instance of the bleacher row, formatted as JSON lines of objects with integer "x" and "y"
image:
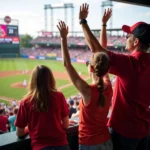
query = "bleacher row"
{"x": 77, "y": 46}
{"x": 80, "y": 41}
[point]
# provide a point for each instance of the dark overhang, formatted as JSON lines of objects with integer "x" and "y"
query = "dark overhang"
{"x": 145, "y": 3}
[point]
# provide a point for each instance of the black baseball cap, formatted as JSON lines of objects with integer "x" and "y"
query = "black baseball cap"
{"x": 140, "y": 30}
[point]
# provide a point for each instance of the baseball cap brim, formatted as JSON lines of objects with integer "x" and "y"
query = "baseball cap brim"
{"x": 126, "y": 29}
{"x": 129, "y": 29}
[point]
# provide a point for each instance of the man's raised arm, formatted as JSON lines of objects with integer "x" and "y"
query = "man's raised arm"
{"x": 103, "y": 34}
{"x": 91, "y": 40}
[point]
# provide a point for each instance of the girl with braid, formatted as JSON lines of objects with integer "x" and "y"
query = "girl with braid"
{"x": 96, "y": 98}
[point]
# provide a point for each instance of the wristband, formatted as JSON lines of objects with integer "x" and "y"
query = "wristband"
{"x": 83, "y": 21}
{"x": 104, "y": 25}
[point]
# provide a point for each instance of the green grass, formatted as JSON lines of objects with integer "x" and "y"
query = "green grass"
{"x": 18, "y": 93}
{"x": 5, "y": 102}
{"x": 69, "y": 91}
{"x": 23, "y": 64}
{"x": 8, "y": 91}
{"x": 61, "y": 82}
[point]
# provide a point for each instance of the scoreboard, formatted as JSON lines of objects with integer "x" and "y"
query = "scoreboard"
{"x": 9, "y": 34}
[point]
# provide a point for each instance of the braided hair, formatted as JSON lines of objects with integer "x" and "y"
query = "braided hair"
{"x": 100, "y": 64}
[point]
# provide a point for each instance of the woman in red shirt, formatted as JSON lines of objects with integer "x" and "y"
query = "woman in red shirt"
{"x": 96, "y": 98}
{"x": 44, "y": 112}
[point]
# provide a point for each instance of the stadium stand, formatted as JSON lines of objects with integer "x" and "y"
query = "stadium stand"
{"x": 44, "y": 46}
{"x": 80, "y": 41}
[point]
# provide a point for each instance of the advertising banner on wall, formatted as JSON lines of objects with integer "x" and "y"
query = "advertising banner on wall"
{"x": 51, "y": 55}
{"x": 32, "y": 57}
{"x": 40, "y": 57}
{"x": 59, "y": 58}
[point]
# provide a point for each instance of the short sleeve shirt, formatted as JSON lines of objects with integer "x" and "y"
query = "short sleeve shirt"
{"x": 45, "y": 128}
{"x": 131, "y": 97}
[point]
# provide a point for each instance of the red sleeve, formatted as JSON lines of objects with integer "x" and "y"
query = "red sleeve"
{"x": 6, "y": 119}
{"x": 65, "y": 109}
{"x": 21, "y": 120}
{"x": 120, "y": 64}
{"x": 109, "y": 86}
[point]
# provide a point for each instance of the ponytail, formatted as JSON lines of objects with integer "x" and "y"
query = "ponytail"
{"x": 102, "y": 100}
{"x": 100, "y": 73}
{"x": 100, "y": 63}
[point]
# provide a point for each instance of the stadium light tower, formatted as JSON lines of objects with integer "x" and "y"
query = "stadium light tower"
{"x": 64, "y": 6}
{"x": 107, "y": 3}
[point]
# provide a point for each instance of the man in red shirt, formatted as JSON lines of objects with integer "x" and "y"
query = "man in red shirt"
{"x": 130, "y": 118}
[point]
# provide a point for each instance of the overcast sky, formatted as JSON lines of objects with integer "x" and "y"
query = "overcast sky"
{"x": 30, "y": 14}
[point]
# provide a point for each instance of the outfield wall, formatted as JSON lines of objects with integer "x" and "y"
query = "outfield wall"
{"x": 51, "y": 58}
{"x": 9, "y": 50}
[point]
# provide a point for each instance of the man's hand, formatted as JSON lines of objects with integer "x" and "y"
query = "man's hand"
{"x": 84, "y": 10}
{"x": 107, "y": 15}
{"x": 63, "y": 29}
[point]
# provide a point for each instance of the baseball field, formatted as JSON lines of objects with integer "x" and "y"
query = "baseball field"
{"x": 13, "y": 72}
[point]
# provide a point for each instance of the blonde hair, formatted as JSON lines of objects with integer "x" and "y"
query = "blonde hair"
{"x": 40, "y": 87}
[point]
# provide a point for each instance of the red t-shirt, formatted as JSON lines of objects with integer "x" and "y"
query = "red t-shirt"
{"x": 45, "y": 128}
{"x": 3, "y": 123}
{"x": 131, "y": 99}
{"x": 92, "y": 118}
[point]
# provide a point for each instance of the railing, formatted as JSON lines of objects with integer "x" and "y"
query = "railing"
{"x": 9, "y": 141}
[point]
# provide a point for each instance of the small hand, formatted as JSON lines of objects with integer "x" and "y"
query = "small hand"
{"x": 72, "y": 122}
{"x": 107, "y": 15}
{"x": 84, "y": 10}
{"x": 63, "y": 29}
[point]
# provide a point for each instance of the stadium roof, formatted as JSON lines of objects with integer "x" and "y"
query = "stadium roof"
{"x": 136, "y": 2}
